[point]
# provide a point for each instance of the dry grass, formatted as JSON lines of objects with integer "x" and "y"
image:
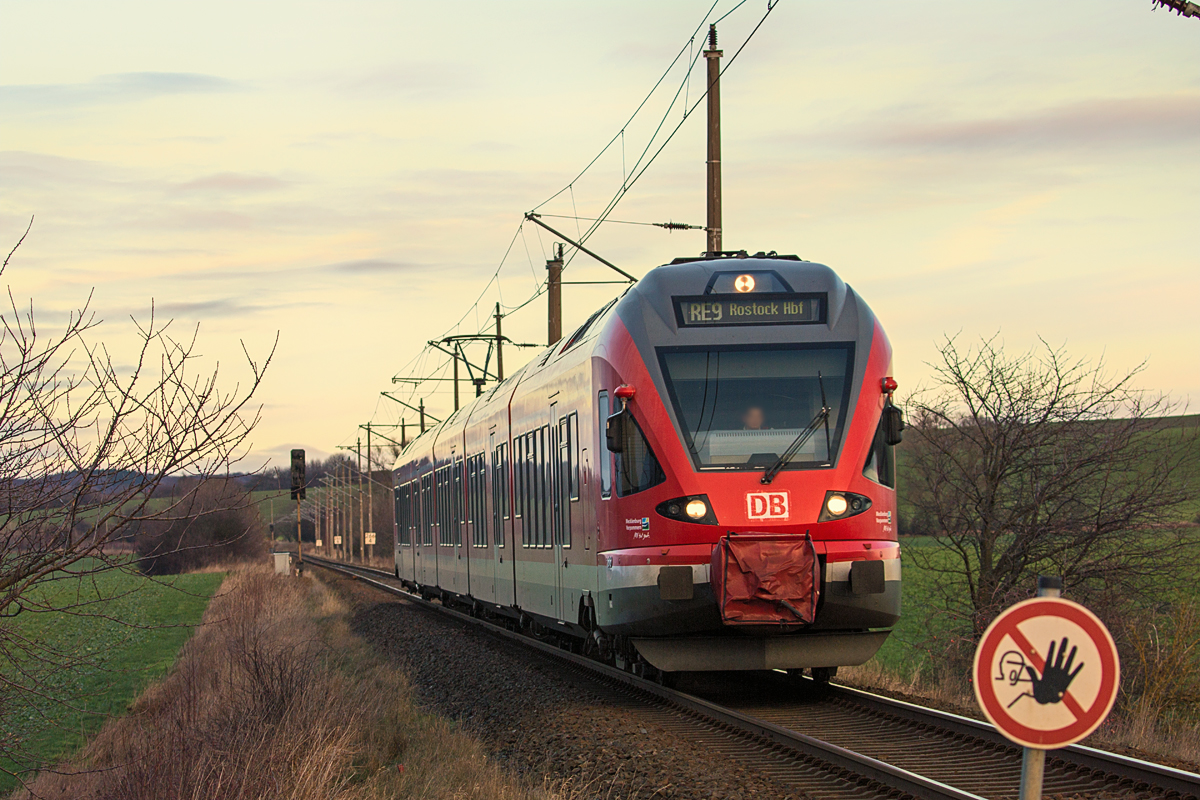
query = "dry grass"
{"x": 1140, "y": 727}
{"x": 275, "y": 698}
{"x": 949, "y": 693}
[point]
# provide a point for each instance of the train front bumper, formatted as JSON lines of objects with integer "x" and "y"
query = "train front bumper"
{"x": 677, "y": 624}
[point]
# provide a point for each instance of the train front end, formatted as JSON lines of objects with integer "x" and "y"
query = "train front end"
{"x": 748, "y": 512}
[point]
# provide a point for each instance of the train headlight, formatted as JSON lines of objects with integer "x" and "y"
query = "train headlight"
{"x": 836, "y": 505}
{"x": 744, "y": 283}
{"x": 842, "y": 505}
{"x": 694, "y": 508}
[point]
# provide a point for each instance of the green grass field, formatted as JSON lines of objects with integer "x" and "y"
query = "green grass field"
{"x": 142, "y": 627}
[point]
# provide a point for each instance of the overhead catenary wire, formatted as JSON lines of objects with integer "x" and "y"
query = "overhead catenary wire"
{"x": 630, "y": 175}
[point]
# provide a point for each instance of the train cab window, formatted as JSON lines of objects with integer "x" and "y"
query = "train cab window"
{"x": 741, "y": 408}
{"x": 637, "y": 468}
{"x": 881, "y": 460}
{"x": 605, "y": 456}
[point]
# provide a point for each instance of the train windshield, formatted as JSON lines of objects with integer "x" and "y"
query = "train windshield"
{"x": 742, "y": 408}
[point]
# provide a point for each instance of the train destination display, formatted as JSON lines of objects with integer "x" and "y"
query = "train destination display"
{"x": 761, "y": 309}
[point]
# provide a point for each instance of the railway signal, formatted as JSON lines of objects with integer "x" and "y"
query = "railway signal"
{"x": 1046, "y": 675}
{"x": 298, "y": 495}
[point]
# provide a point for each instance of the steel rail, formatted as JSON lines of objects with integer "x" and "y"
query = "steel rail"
{"x": 1141, "y": 773}
{"x": 1186, "y": 784}
{"x": 836, "y": 757}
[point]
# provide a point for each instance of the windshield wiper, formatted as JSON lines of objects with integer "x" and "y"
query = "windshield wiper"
{"x": 822, "y": 416}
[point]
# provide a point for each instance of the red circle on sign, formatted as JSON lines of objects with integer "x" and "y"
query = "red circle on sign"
{"x": 1005, "y": 625}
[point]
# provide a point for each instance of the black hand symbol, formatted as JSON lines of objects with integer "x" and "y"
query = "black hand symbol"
{"x": 1056, "y": 676}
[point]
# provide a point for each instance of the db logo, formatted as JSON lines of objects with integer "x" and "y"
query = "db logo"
{"x": 767, "y": 505}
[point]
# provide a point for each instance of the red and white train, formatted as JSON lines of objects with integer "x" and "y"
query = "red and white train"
{"x": 701, "y": 477}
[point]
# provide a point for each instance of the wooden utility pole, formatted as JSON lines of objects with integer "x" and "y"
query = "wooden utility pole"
{"x": 370, "y": 496}
{"x": 713, "y": 56}
{"x": 553, "y": 296}
{"x": 499, "y": 348}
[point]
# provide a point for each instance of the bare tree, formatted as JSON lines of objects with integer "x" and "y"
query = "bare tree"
{"x": 86, "y": 439}
{"x": 1040, "y": 463}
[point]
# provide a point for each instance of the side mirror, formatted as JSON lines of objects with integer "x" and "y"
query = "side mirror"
{"x": 893, "y": 425}
{"x": 616, "y": 429}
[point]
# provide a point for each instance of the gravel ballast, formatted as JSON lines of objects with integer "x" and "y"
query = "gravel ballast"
{"x": 544, "y": 722}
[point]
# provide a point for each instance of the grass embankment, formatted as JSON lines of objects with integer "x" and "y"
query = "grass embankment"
{"x": 125, "y": 631}
{"x": 275, "y": 697}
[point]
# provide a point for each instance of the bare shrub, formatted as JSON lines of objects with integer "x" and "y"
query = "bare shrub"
{"x": 216, "y": 523}
{"x": 87, "y": 440}
{"x": 1036, "y": 463}
{"x": 1161, "y": 662}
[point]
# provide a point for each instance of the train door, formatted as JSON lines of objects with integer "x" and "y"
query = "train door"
{"x": 503, "y": 536}
{"x": 412, "y": 523}
{"x": 498, "y": 494}
{"x": 461, "y": 580}
{"x": 566, "y": 513}
{"x": 559, "y": 510}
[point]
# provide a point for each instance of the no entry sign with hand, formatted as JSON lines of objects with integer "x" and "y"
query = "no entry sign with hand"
{"x": 1046, "y": 673}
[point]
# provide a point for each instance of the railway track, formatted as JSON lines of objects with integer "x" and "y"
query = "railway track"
{"x": 838, "y": 742}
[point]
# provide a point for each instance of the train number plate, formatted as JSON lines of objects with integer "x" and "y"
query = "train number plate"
{"x": 768, "y": 505}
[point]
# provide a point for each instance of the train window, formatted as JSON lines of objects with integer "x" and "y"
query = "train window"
{"x": 410, "y": 495}
{"x": 500, "y": 492}
{"x": 468, "y": 496}
{"x": 743, "y": 407}
{"x": 582, "y": 330}
{"x": 480, "y": 502}
{"x": 637, "y": 467}
{"x": 573, "y": 456}
{"x": 532, "y": 506}
{"x": 534, "y": 515}
{"x": 605, "y": 456}
{"x": 545, "y": 454}
{"x": 881, "y": 460}
{"x": 531, "y": 489}
{"x": 440, "y": 498}
{"x": 518, "y": 470}
{"x": 460, "y": 510}
{"x": 564, "y": 482}
{"x": 447, "y": 506}
{"x": 404, "y": 521}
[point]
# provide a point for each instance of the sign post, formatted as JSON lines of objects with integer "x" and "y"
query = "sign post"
{"x": 1044, "y": 699}
{"x": 298, "y": 495}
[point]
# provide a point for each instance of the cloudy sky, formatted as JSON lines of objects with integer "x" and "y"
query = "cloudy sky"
{"x": 351, "y": 175}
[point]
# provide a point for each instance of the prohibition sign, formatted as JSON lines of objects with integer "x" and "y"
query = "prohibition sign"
{"x": 1046, "y": 672}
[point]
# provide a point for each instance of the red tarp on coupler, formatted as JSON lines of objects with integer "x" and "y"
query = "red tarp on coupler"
{"x": 763, "y": 579}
